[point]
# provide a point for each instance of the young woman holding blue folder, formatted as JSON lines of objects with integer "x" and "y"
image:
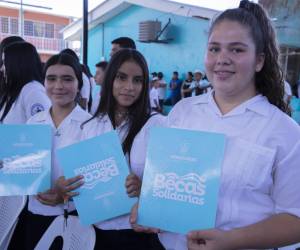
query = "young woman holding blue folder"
{"x": 22, "y": 93}
{"x": 124, "y": 106}
{"x": 259, "y": 198}
{"x": 63, "y": 81}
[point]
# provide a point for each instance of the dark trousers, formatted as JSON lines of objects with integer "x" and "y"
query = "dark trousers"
{"x": 126, "y": 239}
{"x": 30, "y": 229}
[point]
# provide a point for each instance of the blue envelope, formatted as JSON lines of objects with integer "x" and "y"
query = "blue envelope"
{"x": 181, "y": 180}
{"x": 102, "y": 163}
{"x": 25, "y": 159}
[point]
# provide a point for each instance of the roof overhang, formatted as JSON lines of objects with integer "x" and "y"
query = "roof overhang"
{"x": 110, "y": 8}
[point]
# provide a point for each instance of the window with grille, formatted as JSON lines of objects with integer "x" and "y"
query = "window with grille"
{"x": 14, "y": 26}
{"x": 4, "y": 25}
{"x": 39, "y": 29}
{"x": 28, "y": 28}
{"x": 49, "y": 30}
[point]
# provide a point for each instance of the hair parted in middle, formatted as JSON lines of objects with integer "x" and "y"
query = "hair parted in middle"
{"x": 139, "y": 111}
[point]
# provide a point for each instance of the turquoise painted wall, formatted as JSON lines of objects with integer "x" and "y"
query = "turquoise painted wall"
{"x": 184, "y": 53}
{"x": 94, "y": 46}
{"x": 286, "y": 20}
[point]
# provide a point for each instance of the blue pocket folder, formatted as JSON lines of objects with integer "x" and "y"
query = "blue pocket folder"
{"x": 181, "y": 180}
{"x": 102, "y": 163}
{"x": 25, "y": 159}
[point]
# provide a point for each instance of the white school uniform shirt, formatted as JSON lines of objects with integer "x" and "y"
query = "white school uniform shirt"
{"x": 137, "y": 156}
{"x": 31, "y": 100}
{"x": 86, "y": 88}
{"x": 162, "y": 91}
{"x": 67, "y": 133}
{"x": 260, "y": 171}
{"x": 153, "y": 97}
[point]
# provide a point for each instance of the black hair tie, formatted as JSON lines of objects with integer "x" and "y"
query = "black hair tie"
{"x": 247, "y": 5}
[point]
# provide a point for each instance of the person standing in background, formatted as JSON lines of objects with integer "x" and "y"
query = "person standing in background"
{"x": 154, "y": 95}
{"x": 185, "y": 87}
{"x": 99, "y": 76}
{"x": 175, "y": 87}
{"x": 162, "y": 89}
{"x": 121, "y": 43}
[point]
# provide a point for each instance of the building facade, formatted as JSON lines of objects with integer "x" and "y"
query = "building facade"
{"x": 40, "y": 29}
{"x": 180, "y": 47}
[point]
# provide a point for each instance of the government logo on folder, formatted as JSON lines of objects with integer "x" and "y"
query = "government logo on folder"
{"x": 181, "y": 180}
{"x": 102, "y": 163}
{"x": 25, "y": 159}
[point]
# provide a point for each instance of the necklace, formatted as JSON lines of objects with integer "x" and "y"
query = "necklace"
{"x": 121, "y": 114}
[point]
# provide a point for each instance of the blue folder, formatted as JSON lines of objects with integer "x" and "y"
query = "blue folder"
{"x": 181, "y": 180}
{"x": 25, "y": 159}
{"x": 102, "y": 163}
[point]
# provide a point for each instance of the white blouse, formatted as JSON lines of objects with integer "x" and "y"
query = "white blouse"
{"x": 31, "y": 100}
{"x": 137, "y": 156}
{"x": 67, "y": 133}
{"x": 260, "y": 171}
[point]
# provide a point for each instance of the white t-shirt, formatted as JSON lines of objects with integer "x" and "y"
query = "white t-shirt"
{"x": 260, "y": 171}
{"x": 162, "y": 91}
{"x": 86, "y": 88}
{"x": 154, "y": 97}
{"x": 137, "y": 157}
{"x": 287, "y": 91}
{"x": 67, "y": 133}
{"x": 31, "y": 100}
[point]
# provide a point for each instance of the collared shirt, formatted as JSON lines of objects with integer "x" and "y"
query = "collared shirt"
{"x": 67, "y": 133}
{"x": 137, "y": 156}
{"x": 31, "y": 100}
{"x": 260, "y": 171}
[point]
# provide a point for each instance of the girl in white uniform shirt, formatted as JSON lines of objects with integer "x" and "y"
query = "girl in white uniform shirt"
{"x": 259, "y": 198}
{"x": 22, "y": 95}
{"x": 63, "y": 80}
{"x": 124, "y": 106}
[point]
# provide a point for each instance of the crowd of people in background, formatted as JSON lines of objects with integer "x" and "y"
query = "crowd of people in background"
{"x": 241, "y": 94}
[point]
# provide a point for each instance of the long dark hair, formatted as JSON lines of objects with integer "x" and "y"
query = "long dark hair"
{"x": 65, "y": 59}
{"x": 5, "y": 42}
{"x": 139, "y": 111}
{"x": 269, "y": 81}
{"x": 22, "y": 65}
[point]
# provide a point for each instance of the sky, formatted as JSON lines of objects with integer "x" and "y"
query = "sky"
{"x": 74, "y": 7}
